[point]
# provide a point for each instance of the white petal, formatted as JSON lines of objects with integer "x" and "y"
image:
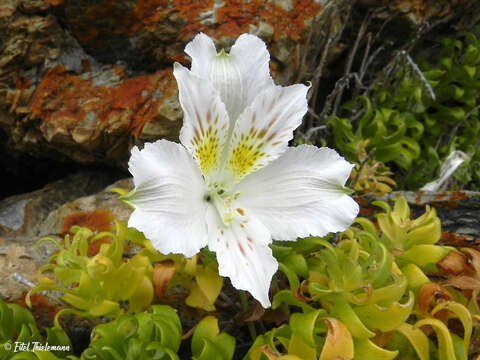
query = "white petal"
{"x": 202, "y": 50}
{"x": 252, "y": 56}
{"x": 169, "y": 198}
{"x": 226, "y": 77}
{"x": 243, "y": 254}
{"x": 221, "y": 70}
{"x": 300, "y": 194}
{"x": 205, "y": 124}
{"x": 263, "y": 130}
{"x": 238, "y": 76}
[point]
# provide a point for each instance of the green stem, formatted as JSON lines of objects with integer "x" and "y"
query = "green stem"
{"x": 244, "y": 302}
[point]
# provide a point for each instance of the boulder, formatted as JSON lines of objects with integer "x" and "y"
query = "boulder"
{"x": 25, "y": 218}
{"x": 84, "y": 80}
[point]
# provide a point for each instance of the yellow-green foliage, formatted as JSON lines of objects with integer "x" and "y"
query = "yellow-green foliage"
{"x": 157, "y": 334}
{"x": 95, "y": 286}
{"x": 366, "y": 296}
{"x": 370, "y": 175}
{"x": 198, "y": 274}
{"x": 363, "y": 298}
{"x": 148, "y": 335}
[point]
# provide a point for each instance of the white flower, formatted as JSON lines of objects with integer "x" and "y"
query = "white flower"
{"x": 233, "y": 183}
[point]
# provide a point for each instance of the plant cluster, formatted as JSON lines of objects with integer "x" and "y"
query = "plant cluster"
{"x": 17, "y": 324}
{"x": 98, "y": 285}
{"x": 155, "y": 334}
{"x": 367, "y": 295}
{"x": 420, "y": 115}
{"x": 95, "y": 285}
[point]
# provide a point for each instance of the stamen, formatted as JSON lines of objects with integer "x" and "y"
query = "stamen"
{"x": 223, "y": 206}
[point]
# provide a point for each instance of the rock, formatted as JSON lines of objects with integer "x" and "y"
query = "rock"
{"x": 84, "y": 80}
{"x": 22, "y": 216}
{"x": 96, "y": 115}
{"x": 419, "y": 11}
{"x": 105, "y": 201}
{"x": 25, "y": 218}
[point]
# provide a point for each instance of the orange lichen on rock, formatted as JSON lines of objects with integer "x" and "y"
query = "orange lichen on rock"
{"x": 459, "y": 195}
{"x": 149, "y": 12}
{"x": 236, "y": 16}
{"x": 97, "y": 221}
{"x": 78, "y": 107}
{"x": 231, "y": 19}
{"x": 451, "y": 196}
{"x": 418, "y": 196}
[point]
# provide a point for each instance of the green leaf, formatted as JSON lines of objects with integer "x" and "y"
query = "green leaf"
{"x": 298, "y": 347}
{"x": 462, "y": 313}
{"x": 287, "y": 297}
{"x": 417, "y": 338}
{"x": 385, "y": 318}
{"x": 303, "y": 325}
{"x": 343, "y": 311}
{"x": 416, "y": 277}
{"x": 207, "y": 287}
{"x": 423, "y": 255}
{"x": 208, "y": 343}
{"x": 445, "y": 343}
{"x": 367, "y": 350}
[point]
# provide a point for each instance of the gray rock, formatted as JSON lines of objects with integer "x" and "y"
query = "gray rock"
{"x": 25, "y": 218}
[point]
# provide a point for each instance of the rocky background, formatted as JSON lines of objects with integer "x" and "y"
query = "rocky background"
{"x": 82, "y": 81}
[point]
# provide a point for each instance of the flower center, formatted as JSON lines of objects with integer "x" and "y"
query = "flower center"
{"x": 222, "y": 203}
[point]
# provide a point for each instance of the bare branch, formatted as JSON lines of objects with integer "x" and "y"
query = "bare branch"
{"x": 419, "y": 73}
{"x": 351, "y": 56}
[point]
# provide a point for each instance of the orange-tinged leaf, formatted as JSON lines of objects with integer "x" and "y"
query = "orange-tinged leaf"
{"x": 431, "y": 292}
{"x": 265, "y": 350}
{"x": 474, "y": 258}
{"x": 339, "y": 342}
{"x": 454, "y": 263}
{"x": 463, "y": 282}
{"x": 162, "y": 274}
